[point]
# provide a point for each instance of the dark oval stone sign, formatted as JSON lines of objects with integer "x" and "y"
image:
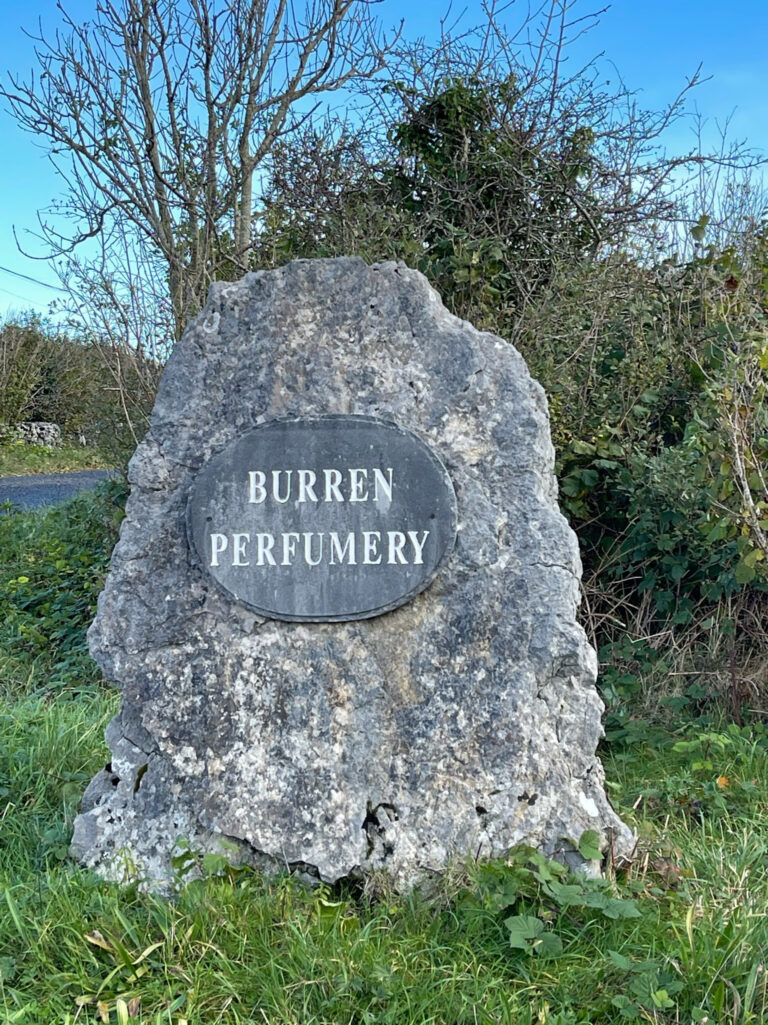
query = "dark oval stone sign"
{"x": 325, "y": 519}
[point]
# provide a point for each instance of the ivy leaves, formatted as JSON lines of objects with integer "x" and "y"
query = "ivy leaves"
{"x": 535, "y": 895}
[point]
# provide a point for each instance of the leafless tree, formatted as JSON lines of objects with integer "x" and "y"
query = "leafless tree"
{"x": 159, "y": 115}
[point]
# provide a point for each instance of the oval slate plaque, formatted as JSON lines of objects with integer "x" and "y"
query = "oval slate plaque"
{"x": 323, "y": 519}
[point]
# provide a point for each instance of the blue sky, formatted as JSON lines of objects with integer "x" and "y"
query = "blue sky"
{"x": 654, "y": 45}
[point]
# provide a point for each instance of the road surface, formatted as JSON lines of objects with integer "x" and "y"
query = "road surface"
{"x": 29, "y": 492}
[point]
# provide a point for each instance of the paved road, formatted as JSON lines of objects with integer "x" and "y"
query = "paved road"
{"x": 47, "y": 488}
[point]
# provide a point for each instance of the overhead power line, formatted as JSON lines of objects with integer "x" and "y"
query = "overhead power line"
{"x": 23, "y": 298}
{"x": 45, "y": 284}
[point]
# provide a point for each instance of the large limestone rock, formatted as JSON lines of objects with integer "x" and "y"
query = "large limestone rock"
{"x": 464, "y": 722}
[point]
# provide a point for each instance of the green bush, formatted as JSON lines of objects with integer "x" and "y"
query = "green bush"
{"x": 53, "y": 567}
{"x": 82, "y": 386}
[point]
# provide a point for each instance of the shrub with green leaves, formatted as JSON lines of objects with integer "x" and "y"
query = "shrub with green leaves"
{"x": 53, "y": 567}
{"x": 656, "y": 377}
{"x": 83, "y": 386}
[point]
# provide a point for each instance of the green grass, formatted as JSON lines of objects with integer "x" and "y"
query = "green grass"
{"x": 689, "y": 945}
{"x": 679, "y": 935}
{"x": 18, "y": 458}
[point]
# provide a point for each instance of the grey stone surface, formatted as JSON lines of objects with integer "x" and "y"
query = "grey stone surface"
{"x": 463, "y": 722}
{"x": 33, "y": 433}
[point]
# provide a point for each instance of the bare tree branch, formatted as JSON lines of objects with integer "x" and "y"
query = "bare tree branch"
{"x": 158, "y": 114}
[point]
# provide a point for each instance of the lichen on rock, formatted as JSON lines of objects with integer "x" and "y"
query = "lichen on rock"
{"x": 461, "y": 723}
